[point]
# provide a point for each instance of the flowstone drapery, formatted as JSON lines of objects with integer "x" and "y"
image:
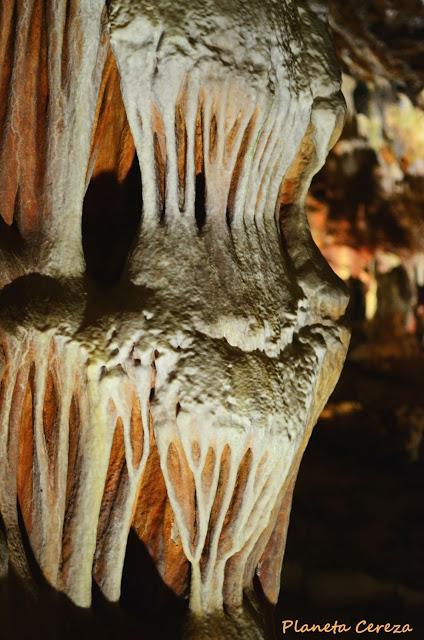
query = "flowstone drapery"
{"x": 169, "y": 330}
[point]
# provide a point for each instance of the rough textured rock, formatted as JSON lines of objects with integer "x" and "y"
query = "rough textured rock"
{"x": 379, "y": 41}
{"x": 366, "y": 210}
{"x": 162, "y": 365}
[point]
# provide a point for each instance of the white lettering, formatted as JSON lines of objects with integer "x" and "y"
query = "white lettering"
{"x": 287, "y": 624}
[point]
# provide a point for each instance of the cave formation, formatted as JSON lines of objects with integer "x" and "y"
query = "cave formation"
{"x": 169, "y": 330}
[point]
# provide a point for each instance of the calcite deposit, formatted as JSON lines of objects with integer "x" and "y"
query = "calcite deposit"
{"x": 169, "y": 331}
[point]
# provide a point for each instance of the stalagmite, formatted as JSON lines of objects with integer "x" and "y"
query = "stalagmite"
{"x": 166, "y": 381}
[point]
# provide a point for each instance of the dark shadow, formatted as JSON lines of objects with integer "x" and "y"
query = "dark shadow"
{"x": 355, "y": 312}
{"x": 76, "y": 304}
{"x": 146, "y": 598}
{"x": 10, "y": 236}
{"x": 110, "y": 219}
{"x": 14, "y": 251}
{"x": 200, "y": 201}
{"x": 361, "y": 98}
{"x": 148, "y": 610}
{"x": 262, "y": 611}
